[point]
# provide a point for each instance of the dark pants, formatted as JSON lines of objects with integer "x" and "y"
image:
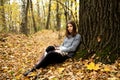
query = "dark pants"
{"x": 52, "y": 57}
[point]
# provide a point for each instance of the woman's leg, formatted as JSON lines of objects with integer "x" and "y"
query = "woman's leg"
{"x": 50, "y": 48}
{"x": 42, "y": 62}
{"x": 51, "y": 58}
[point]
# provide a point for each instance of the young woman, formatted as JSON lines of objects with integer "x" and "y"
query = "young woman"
{"x": 59, "y": 54}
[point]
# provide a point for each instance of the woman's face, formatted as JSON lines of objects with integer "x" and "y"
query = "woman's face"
{"x": 70, "y": 28}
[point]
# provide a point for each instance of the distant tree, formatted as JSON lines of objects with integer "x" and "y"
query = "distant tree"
{"x": 33, "y": 18}
{"x": 43, "y": 21}
{"x": 69, "y": 9}
{"x": 39, "y": 22}
{"x": 58, "y": 17}
{"x": 48, "y": 17}
{"x": 2, "y": 16}
{"x": 66, "y": 12}
{"x": 25, "y": 7}
{"x": 100, "y": 29}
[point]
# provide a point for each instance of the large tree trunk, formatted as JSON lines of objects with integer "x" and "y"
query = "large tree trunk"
{"x": 100, "y": 28}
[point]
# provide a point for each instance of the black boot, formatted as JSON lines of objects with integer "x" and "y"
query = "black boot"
{"x": 26, "y": 73}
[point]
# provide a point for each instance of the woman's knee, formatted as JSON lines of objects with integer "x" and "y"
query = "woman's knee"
{"x": 50, "y": 48}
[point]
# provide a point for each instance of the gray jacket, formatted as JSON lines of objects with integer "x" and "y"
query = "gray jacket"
{"x": 70, "y": 43}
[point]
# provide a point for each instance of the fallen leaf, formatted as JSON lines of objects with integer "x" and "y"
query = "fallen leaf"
{"x": 97, "y": 67}
{"x": 60, "y": 70}
{"x": 18, "y": 77}
{"x": 32, "y": 74}
{"x": 106, "y": 68}
{"x": 92, "y": 66}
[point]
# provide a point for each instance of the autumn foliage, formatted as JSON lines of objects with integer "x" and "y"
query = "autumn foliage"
{"x": 19, "y": 53}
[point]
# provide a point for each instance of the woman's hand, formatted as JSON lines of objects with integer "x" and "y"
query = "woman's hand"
{"x": 57, "y": 48}
{"x": 54, "y": 45}
{"x": 59, "y": 51}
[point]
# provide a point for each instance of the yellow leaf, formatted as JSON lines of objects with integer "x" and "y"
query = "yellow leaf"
{"x": 119, "y": 64}
{"x": 60, "y": 70}
{"x": 96, "y": 67}
{"x": 98, "y": 38}
{"x": 18, "y": 76}
{"x": 32, "y": 74}
{"x": 53, "y": 78}
{"x": 106, "y": 68}
{"x": 92, "y": 66}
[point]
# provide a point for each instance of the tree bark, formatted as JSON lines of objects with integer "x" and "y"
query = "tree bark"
{"x": 2, "y": 14}
{"x": 48, "y": 17}
{"x": 58, "y": 19}
{"x": 43, "y": 22}
{"x": 10, "y": 19}
{"x": 66, "y": 12}
{"x": 24, "y": 28}
{"x": 39, "y": 22}
{"x": 99, "y": 27}
{"x": 34, "y": 24}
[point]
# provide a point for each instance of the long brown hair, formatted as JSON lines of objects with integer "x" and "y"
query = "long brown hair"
{"x": 74, "y": 32}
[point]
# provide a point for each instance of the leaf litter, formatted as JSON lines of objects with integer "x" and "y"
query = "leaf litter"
{"x": 19, "y": 53}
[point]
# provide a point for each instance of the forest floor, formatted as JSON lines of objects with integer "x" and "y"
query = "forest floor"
{"x": 19, "y": 53}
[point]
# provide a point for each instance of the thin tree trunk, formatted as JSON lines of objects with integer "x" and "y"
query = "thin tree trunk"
{"x": 76, "y": 15}
{"x": 2, "y": 13}
{"x": 66, "y": 11}
{"x": 58, "y": 19}
{"x": 34, "y": 24}
{"x": 24, "y": 28}
{"x": 38, "y": 8}
{"x": 10, "y": 18}
{"x": 48, "y": 17}
{"x": 43, "y": 14}
{"x": 38, "y": 14}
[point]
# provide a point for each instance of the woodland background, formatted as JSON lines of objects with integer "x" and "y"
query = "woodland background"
{"x": 28, "y": 26}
